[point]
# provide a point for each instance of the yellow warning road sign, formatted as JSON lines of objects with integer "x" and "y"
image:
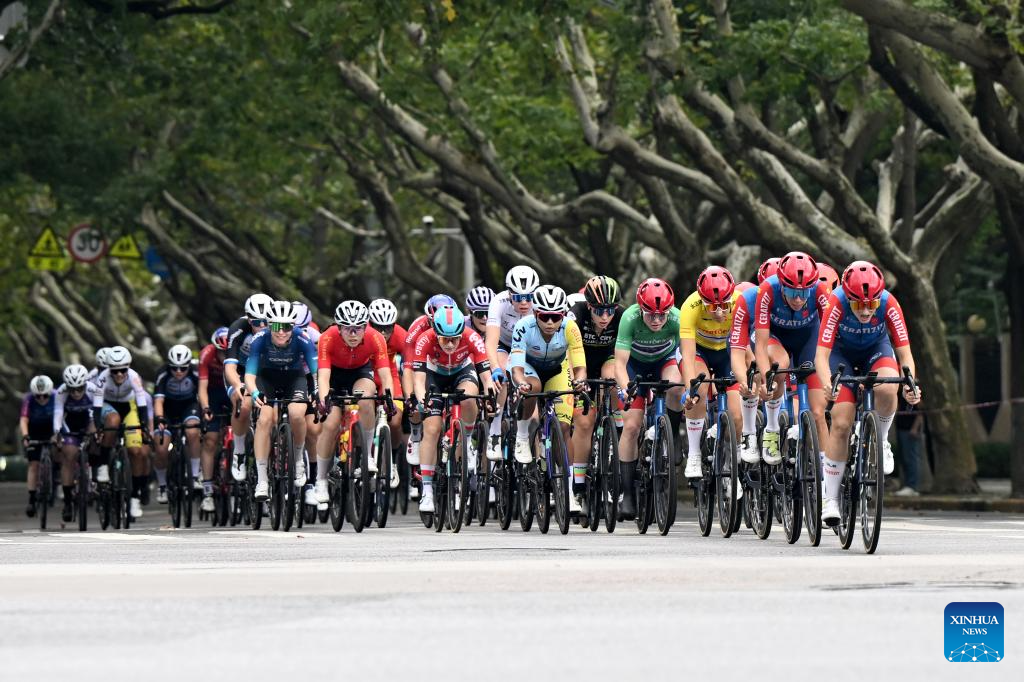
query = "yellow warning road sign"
{"x": 47, "y": 245}
{"x": 54, "y": 263}
{"x": 125, "y": 247}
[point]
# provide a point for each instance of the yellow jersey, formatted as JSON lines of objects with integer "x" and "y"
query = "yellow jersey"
{"x": 696, "y": 323}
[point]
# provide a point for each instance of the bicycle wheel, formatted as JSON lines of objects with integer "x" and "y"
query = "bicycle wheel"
{"x": 524, "y": 496}
{"x": 188, "y": 497}
{"x": 726, "y": 474}
{"x": 481, "y": 491}
{"x": 542, "y": 498}
{"x": 103, "y": 505}
{"x": 383, "y": 498}
{"x": 810, "y": 478}
{"x": 762, "y": 502}
{"x": 663, "y": 477}
{"x": 82, "y": 494}
{"x": 358, "y": 478}
{"x": 594, "y": 483}
{"x": 336, "y": 488}
{"x": 611, "y": 483}
{"x": 255, "y": 506}
{"x": 404, "y": 480}
{"x": 704, "y": 487}
{"x": 560, "y": 476}
{"x": 644, "y": 500}
{"x": 441, "y": 509}
{"x": 785, "y": 483}
{"x": 44, "y": 489}
{"x": 286, "y": 475}
{"x": 848, "y": 498}
{"x": 872, "y": 483}
{"x": 458, "y": 477}
{"x": 504, "y": 474}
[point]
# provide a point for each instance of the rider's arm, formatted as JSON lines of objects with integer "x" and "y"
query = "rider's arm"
{"x": 762, "y": 326}
{"x": 577, "y": 356}
{"x": 204, "y": 394}
{"x": 624, "y": 347}
{"x": 826, "y": 340}
{"x": 478, "y": 355}
{"x": 58, "y": 412}
{"x": 252, "y": 364}
{"x": 382, "y": 362}
{"x": 419, "y": 365}
{"x": 621, "y": 360}
{"x": 158, "y": 407}
{"x": 23, "y": 419}
{"x": 493, "y": 332}
{"x": 141, "y": 397}
{"x": 896, "y": 325}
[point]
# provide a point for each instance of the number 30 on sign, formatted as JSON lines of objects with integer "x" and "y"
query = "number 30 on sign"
{"x": 86, "y": 243}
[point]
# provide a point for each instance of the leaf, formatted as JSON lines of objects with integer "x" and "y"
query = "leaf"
{"x": 449, "y": 10}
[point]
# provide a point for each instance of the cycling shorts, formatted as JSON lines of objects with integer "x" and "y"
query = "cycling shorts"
{"x": 556, "y": 378}
{"x": 446, "y": 383}
{"x": 860, "y": 362}
{"x": 801, "y": 345}
{"x": 219, "y": 404}
{"x": 718, "y": 362}
{"x": 649, "y": 371}
{"x": 283, "y": 384}
{"x": 129, "y": 417}
{"x": 342, "y": 380}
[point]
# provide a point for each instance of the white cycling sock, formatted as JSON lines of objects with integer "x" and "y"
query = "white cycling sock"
{"x": 833, "y": 478}
{"x": 239, "y": 444}
{"x": 161, "y": 477}
{"x": 496, "y": 425}
{"x": 523, "y": 428}
{"x": 195, "y": 467}
{"x": 694, "y": 428}
{"x": 749, "y": 411}
{"x": 772, "y": 409}
{"x": 884, "y": 422}
{"x": 323, "y": 468}
{"x": 261, "y": 472}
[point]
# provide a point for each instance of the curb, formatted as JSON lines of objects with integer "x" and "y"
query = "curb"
{"x": 944, "y": 503}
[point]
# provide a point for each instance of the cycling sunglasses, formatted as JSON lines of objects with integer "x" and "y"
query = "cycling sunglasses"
{"x": 802, "y": 294}
{"x": 449, "y": 340}
{"x": 123, "y": 370}
{"x": 550, "y": 317}
{"x": 655, "y": 317}
{"x": 257, "y": 323}
{"x": 479, "y": 314}
{"x": 716, "y": 307}
{"x": 384, "y": 328}
{"x": 521, "y": 298}
{"x": 603, "y": 310}
{"x": 352, "y": 330}
{"x": 866, "y": 306}
{"x": 180, "y": 368}
{"x": 77, "y": 389}
{"x": 281, "y": 326}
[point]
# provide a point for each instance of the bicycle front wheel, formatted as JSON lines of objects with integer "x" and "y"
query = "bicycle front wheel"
{"x": 611, "y": 483}
{"x": 704, "y": 487}
{"x": 559, "y": 477}
{"x": 726, "y": 476}
{"x": 663, "y": 477}
{"x": 872, "y": 483}
{"x": 359, "y": 495}
{"x": 45, "y": 487}
{"x": 82, "y": 494}
{"x": 458, "y": 477}
{"x": 810, "y": 478}
{"x": 384, "y": 464}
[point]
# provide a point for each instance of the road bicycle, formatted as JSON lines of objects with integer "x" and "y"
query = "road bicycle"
{"x": 44, "y": 481}
{"x": 603, "y": 479}
{"x": 862, "y": 489}
{"x": 719, "y": 456}
{"x": 181, "y": 490}
{"x": 656, "y": 469}
{"x": 113, "y": 498}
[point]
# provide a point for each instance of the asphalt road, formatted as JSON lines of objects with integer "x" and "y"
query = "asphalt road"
{"x": 156, "y": 603}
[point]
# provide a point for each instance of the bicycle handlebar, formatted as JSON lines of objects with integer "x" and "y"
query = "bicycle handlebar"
{"x": 871, "y": 379}
{"x": 547, "y": 395}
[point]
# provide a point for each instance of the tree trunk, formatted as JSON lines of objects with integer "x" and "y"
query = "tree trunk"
{"x": 955, "y": 468}
{"x": 1014, "y": 288}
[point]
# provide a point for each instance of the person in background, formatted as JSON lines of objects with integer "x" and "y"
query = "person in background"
{"x": 909, "y": 434}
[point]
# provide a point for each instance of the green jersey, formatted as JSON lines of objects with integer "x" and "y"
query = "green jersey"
{"x": 644, "y": 344}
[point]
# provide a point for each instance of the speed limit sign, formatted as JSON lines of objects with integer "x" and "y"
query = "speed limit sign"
{"x": 86, "y": 243}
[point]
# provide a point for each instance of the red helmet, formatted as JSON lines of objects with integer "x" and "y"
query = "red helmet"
{"x": 797, "y": 270}
{"x": 828, "y": 275}
{"x": 863, "y": 281}
{"x": 743, "y": 286}
{"x": 715, "y": 285}
{"x": 767, "y": 269}
{"x": 655, "y": 296}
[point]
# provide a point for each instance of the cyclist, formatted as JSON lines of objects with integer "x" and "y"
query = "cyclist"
{"x": 547, "y": 355}
{"x": 36, "y": 424}
{"x": 101, "y": 363}
{"x": 705, "y": 321}
{"x": 121, "y": 399}
{"x": 646, "y": 348}
{"x": 240, "y": 335}
{"x": 598, "y": 317}
{"x": 277, "y": 367}
{"x": 478, "y": 301}
{"x": 351, "y": 355}
{"x": 741, "y": 339}
{"x": 384, "y": 318}
{"x": 864, "y": 330}
{"x": 447, "y": 356}
{"x": 213, "y": 401}
{"x": 418, "y": 326}
{"x": 71, "y": 424}
{"x": 789, "y": 308}
{"x": 176, "y": 401}
{"x": 503, "y": 313}
{"x": 828, "y": 275}
{"x": 304, "y": 325}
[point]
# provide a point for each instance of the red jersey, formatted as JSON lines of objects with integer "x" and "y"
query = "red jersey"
{"x": 332, "y": 351}
{"x": 211, "y": 367}
{"x": 418, "y": 326}
{"x": 396, "y": 343}
{"x": 428, "y": 353}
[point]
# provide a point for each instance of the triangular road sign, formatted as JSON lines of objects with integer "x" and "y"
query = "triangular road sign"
{"x": 47, "y": 245}
{"x": 125, "y": 247}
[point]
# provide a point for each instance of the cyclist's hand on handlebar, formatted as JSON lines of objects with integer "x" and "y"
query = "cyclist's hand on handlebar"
{"x": 912, "y": 397}
{"x": 498, "y": 375}
{"x": 523, "y": 387}
{"x": 25, "y": 440}
{"x": 257, "y": 399}
{"x": 581, "y": 385}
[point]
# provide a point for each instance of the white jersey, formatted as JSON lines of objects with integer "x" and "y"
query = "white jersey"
{"x": 502, "y": 313}
{"x": 108, "y": 391}
{"x": 81, "y": 405}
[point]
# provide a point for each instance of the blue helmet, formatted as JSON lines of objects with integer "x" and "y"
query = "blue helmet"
{"x": 220, "y": 338}
{"x": 449, "y": 321}
{"x": 437, "y": 301}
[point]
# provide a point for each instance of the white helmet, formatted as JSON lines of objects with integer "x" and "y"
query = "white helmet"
{"x": 479, "y": 298}
{"x": 179, "y": 356}
{"x": 549, "y": 299}
{"x": 383, "y": 312}
{"x": 281, "y": 311}
{"x": 257, "y": 306}
{"x": 118, "y": 357}
{"x": 101, "y": 357}
{"x": 41, "y": 385}
{"x": 522, "y": 279}
{"x": 573, "y": 299}
{"x": 75, "y": 376}
{"x": 302, "y": 315}
{"x": 351, "y": 314}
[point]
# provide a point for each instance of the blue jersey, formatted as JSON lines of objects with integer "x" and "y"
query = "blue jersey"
{"x": 263, "y": 354}
{"x": 842, "y": 329}
{"x": 775, "y": 315}
{"x": 39, "y": 416}
{"x": 530, "y": 346}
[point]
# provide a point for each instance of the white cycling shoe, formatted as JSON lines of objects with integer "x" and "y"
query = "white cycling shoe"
{"x": 300, "y": 473}
{"x": 414, "y": 493}
{"x": 748, "y": 450}
{"x": 574, "y": 504}
{"x": 412, "y": 453}
{"x": 207, "y": 505}
{"x": 494, "y": 448}
{"x": 888, "y": 461}
{"x": 523, "y": 454}
{"x": 770, "y": 447}
{"x": 103, "y": 474}
{"x": 262, "y": 491}
{"x": 135, "y": 508}
{"x": 693, "y": 468}
{"x": 310, "y": 497}
{"x": 372, "y": 464}
{"x": 238, "y": 467}
{"x": 161, "y": 495}
{"x": 830, "y": 511}
{"x": 322, "y": 493}
{"x": 427, "y": 504}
